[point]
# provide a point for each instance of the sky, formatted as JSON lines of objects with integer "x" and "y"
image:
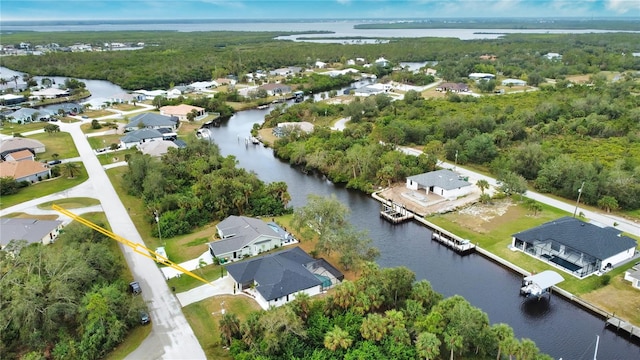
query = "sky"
{"x": 310, "y": 9}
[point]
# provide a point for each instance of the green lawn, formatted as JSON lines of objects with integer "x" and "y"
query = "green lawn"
{"x": 137, "y": 211}
{"x": 186, "y": 282}
{"x": 60, "y": 143}
{"x": 71, "y": 203}
{"x": 9, "y": 128}
{"x": 43, "y": 188}
{"x": 100, "y": 142}
{"x": 205, "y": 315}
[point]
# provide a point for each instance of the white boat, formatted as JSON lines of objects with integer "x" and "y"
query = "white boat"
{"x": 203, "y": 133}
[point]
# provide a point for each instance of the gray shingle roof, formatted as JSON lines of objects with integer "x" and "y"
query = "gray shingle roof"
{"x": 151, "y": 120}
{"x": 31, "y": 230}
{"x": 445, "y": 179}
{"x": 587, "y": 238}
{"x": 277, "y": 274}
{"x": 141, "y": 134}
{"x": 239, "y": 231}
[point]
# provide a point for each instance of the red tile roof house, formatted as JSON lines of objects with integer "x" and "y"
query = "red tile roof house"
{"x": 20, "y": 155}
{"x": 25, "y": 170}
{"x": 181, "y": 111}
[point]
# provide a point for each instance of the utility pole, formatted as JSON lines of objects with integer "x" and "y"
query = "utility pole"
{"x": 578, "y": 201}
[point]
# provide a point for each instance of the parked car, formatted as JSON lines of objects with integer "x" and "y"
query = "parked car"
{"x": 134, "y": 286}
{"x": 54, "y": 162}
{"x": 144, "y": 317}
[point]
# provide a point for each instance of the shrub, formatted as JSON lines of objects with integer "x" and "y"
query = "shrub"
{"x": 605, "y": 280}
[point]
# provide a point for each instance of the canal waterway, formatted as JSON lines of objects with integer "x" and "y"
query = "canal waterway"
{"x": 558, "y": 327}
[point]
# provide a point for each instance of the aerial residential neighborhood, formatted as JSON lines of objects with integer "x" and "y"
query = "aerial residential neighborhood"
{"x": 241, "y": 194}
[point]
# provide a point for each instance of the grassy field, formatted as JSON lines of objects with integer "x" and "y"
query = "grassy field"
{"x": 59, "y": 143}
{"x": 185, "y": 282}
{"x": 97, "y": 113}
{"x": 70, "y": 203}
{"x": 205, "y": 315}
{"x": 9, "y": 128}
{"x": 492, "y": 231}
{"x": 43, "y": 188}
{"x": 100, "y": 142}
{"x": 139, "y": 214}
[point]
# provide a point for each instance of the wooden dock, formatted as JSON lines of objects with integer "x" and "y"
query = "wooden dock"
{"x": 459, "y": 245}
{"x": 395, "y": 213}
{"x": 616, "y": 324}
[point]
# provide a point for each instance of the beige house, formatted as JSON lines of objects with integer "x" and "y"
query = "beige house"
{"x": 31, "y": 230}
{"x": 181, "y": 111}
{"x": 25, "y": 170}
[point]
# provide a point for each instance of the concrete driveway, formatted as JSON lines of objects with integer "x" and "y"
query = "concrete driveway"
{"x": 171, "y": 336}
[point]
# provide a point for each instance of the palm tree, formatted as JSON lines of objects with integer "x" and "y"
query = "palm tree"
{"x": 229, "y": 326}
{"x": 503, "y": 333}
{"x": 374, "y": 327}
{"x": 71, "y": 169}
{"x": 428, "y": 345}
{"x": 452, "y": 341}
{"x": 3, "y": 82}
{"x": 608, "y": 203}
{"x": 483, "y": 185}
{"x": 15, "y": 79}
{"x": 337, "y": 338}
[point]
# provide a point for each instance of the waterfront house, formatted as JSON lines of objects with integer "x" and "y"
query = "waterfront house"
{"x": 152, "y": 121}
{"x": 140, "y": 136}
{"x": 277, "y": 278}
{"x": 287, "y": 127}
{"x": 11, "y": 99}
{"x": 31, "y": 230}
{"x": 444, "y": 183}
{"x": 242, "y": 236}
{"x": 49, "y": 93}
{"x": 576, "y": 247}
{"x": 633, "y": 275}
{"x": 181, "y": 111}
{"x": 276, "y": 89}
{"x": 27, "y": 115}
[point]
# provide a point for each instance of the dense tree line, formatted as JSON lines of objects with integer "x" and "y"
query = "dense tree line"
{"x": 177, "y": 58}
{"x": 66, "y": 300}
{"x": 192, "y": 186}
{"x": 383, "y": 315}
{"x": 555, "y": 139}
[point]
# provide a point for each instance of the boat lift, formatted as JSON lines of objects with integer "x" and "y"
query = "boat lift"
{"x": 138, "y": 248}
{"x": 540, "y": 284}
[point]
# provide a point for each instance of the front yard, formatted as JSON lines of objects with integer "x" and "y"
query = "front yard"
{"x": 59, "y": 143}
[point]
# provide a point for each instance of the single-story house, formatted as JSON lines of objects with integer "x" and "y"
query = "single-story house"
{"x": 553, "y": 56}
{"x": 276, "y": 279}
{"x": 126, "y": 98}
{"x": 25, "y": 170}
{"x": 9, "y": 145}
{"x": 284, "y": 127}
{"x": 178, "y": 91}
{"x": 381, "y": 61}
{"x": 633, "y": 275}
{"x": 156, "y": 148}
{"x": 453, "y": 87}
{"x": 31, "y": 230}
{"x": 20, "y": 155}
{"x": 575, "y": 246}
{"x": 276, "y": 89}
{"x": 11, "y": 99}
{"x": 137, "y": 137}
{"x": 152, "y": 121}
{"x": 513, "y": 82}
{"x": 181, "y": 111}
{"x": 481, "y": 76}
{"x": 27, "y": 115}
{"x": 49, "y": 93}
{"x": 67, "y": 108}
{"x": 242, "y": 236}
{"x": 373, "y": 89}
{"x": 285, "y": 71}
{"x": 431, "y": 71}
{"x": 203, "y": 85}
{"x": 445, "y": 183}
{"x": 334, "y": 73}
{"x": 320, "y": 64}
{"x": 150, "y": 94}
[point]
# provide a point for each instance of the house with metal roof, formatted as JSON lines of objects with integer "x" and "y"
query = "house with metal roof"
{"x": 31, "y": 230}
{"x": 576, "y": 247}
{"x": 138, "y": 137}
{"x": 276, "y": 279}
{"x": 444, "y": 183}
{"x": 152, "y": 121}
{"x": 242, "y": 236}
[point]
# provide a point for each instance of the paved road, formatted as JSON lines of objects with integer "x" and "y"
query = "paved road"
{"x": 171, "y": 336}
{"x": 625, "y": 225}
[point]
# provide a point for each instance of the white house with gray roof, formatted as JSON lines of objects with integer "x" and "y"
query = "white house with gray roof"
{"x": 27, "y": 115}
{"x": 445, "y": 183}
{"x": 276, "y": 279}
{"x": 152, "y": 121}
{"x": 31, "y": 230}
{"x": 242, "y": 236}
{"x": 138, "y": 137}
{"x": 576, "y": 247}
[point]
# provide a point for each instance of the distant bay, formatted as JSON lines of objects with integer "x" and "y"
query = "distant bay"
{"x": 342, "y": 29}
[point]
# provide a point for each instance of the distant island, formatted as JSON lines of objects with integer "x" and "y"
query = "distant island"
{"x": 511, "y": 24}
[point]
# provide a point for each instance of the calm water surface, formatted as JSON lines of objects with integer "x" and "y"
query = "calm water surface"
{"x": 558, "y": 327}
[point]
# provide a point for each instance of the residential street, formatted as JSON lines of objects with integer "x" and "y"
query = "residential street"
{"x": 171, "y": 336}
{"x": 625, "y": 225}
